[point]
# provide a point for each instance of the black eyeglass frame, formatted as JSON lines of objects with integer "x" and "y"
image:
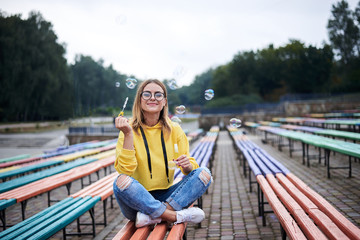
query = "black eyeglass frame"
{"x": 159, "y": 98}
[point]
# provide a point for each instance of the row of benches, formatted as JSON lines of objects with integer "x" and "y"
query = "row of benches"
{"x": 203, "y": 153}
{"x": 352, "y": 124}
{"x": 302, "y": 213}
{"x": 56, "y": 217}
{"x": 50, "y": 179}
{"x": 55, "y": 159}
{"x": 352, "y": 150}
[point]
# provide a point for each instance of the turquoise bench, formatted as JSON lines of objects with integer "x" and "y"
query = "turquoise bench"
{"x": 14, "y": 183}
{"x": 352, "y": 150}
{"x": 53, "y": 219}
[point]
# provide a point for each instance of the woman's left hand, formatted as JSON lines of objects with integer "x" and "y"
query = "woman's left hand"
{"x": 184, "y": 162}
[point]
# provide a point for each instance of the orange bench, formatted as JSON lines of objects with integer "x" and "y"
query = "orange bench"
{"x": 129, "y": 231}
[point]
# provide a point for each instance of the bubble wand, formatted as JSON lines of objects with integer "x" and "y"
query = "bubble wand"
{"x": 122, "y": 111}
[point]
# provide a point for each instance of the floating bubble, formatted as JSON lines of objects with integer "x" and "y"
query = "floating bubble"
{"x": 172, "y": 165}
{"x": 209, "y": 94}
{"x": 121, "y": 19}
{"x": 179, "y": 72}
{"x": 180, "y": 109}
{"x": 117, "y": 84}
{"x": 235, "y": 122}
{"x": 131, "y": 83}
{"x": 173, "y": 84}
{"x": 175, "y": 119}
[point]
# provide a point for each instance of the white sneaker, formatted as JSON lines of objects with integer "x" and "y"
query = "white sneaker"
{"x": 144, "y": 220}
{"x": 192, "y": 215}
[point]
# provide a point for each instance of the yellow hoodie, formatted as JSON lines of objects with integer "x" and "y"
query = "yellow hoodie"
{"x": 134, "y": 163}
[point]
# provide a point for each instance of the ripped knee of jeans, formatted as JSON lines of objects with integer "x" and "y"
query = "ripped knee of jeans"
{"x": 123, "y": 182}
{"x": 205, "y": 177}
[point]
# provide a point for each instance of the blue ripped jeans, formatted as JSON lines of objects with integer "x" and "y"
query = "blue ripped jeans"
{"x": 133, "y": 197}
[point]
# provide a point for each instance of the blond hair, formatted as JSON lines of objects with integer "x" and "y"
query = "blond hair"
{"x": 137, "y": 113}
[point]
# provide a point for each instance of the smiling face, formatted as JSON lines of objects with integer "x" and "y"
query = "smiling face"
{"x": 152, "y": 105}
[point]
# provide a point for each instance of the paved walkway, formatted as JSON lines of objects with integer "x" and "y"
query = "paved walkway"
{"x": 231, "y": 209}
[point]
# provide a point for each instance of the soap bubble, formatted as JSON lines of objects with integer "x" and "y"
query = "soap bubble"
{"x": 175, "y": 119}
{"x": 209, "y": 94}
{"x": 180, "y": 109}
{"x": 172, "y": 84}
{"x": 235, "y": 122}
{"x": 117, "y": 84}
{"x": 179, "y": 72}
{"x": 131, "y": 83}
{"x": 120, "y": 19}
{"x": 171, "y": 165}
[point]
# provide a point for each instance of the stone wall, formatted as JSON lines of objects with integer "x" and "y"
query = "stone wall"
{"x": 80, "y": 138}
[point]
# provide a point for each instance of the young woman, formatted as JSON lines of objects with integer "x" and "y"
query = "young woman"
{"x": 148, "y": 144}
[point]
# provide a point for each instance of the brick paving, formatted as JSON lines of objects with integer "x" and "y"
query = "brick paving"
{"x": 231, "y": 209}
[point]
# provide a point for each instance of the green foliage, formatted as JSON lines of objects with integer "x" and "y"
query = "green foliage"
{"x": 344, "y": 34}
{"x": 234, "y": 100}
{"x": 270, "y": 73}
{"x": 344, "y": 31}
{"x": 95, "y": 86}
{"x": 33, "y": 74}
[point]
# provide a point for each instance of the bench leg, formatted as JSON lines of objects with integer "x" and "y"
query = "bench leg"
{"x": 349, "y": 166}
{"x": 104, "y": 208}
{"x": 303, "y": 151}
{"x": 23, "y": 208}
{"x": 283, "y": 233}
{"x": 185, "y": 234}
{"x": 3, "y": 218}
{"x": 327, "y": 160}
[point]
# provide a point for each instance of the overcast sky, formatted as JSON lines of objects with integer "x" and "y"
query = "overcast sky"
{"x": 177, "y": 39}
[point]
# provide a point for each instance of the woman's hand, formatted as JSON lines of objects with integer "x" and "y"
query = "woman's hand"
{"x": 184, "y": 162}
{"x": 123, "y": 125}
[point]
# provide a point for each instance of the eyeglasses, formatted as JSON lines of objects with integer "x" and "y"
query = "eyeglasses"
{"x": 157, "y": 95}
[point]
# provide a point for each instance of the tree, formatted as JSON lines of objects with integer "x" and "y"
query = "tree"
{"x": 34, "y": 75}
{"x": 95, "y": 86}
{"x": 344, "y": 31}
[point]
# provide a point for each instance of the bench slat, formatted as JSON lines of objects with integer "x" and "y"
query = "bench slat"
{"x": 177, "y": 231}
{"x": 159, "y": 231}
{"x": 342, "y": 222}
{"x": 289, "y": 224}
{"x": 321, "y": 220}
{"x": 307, "y": 225}
{"x": 141, "y": 233}
{"x": 126, "y": 232}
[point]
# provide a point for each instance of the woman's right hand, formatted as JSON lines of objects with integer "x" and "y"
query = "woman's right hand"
{"x": 123, "y": 125}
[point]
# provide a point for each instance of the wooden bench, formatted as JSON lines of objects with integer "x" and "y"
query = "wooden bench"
{"x": 47, "y": 184}
{"x": 55, "y": 218}
{"x": 203, "y": 153}
{"x": 302, "y": 213}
